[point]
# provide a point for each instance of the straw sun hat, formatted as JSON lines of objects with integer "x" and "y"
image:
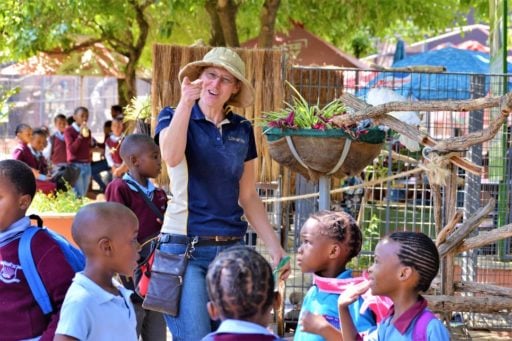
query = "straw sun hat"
{"x": 230, "y": 61}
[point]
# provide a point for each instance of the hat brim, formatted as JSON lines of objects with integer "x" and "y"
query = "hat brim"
{"x": 244, "y": 97}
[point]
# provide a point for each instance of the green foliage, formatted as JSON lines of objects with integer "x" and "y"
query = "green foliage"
{"x": 61, "y": 202}
{"x": 139, "y": 108}
{"x": 301, "y": 115}
{"x": 371, "y": 236}
{"x": 5, "y": 95}
{"x": 60, "y": 25}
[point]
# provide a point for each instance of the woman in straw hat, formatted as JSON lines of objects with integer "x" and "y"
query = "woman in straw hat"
{"x": 210, "y": 154}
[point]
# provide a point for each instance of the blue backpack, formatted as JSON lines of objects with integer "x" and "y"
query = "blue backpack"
{"x": 74, "y": 256}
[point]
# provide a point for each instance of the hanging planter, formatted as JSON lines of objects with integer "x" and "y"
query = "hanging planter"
{"x": 304, "y": 138}
{"x": 314, "y": 153}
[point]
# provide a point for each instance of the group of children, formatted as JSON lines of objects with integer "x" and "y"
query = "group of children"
{"x": 69, "y": 151}
{"x": 240, "y": 282}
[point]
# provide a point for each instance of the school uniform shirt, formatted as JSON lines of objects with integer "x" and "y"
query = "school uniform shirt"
{"x": 58, "y": 149}
{"x": 206, "y": 184}
{"x": 402, "y": 329}
{"x": 91, "y": 313}
{"x": 35, "y": 160}
{"x": 78, "y": 148}
{"x": 326, "y": 304}
{"x": 232, "y": 330}
{"x": 21, "y": 317}
{"x": 112, "y": 148}
{"x": 119, "y": 191}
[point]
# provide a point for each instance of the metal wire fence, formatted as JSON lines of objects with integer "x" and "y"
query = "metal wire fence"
{"x": 406, "y": 203}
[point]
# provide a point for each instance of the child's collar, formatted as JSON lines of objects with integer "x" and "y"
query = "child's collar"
{"x": 14, "y": 231}
{"x": 403, "y": 322}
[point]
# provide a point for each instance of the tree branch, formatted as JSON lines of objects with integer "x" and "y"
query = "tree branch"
{"x": 268, "y": 16}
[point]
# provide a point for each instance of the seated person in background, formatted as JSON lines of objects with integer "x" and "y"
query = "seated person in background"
{"x": 116, "y": 110}
{"x": 240, "y": 287}
{"x": 405, "y": 265}
{"x": 97, "y": 307}
{"x": 112, "y": 148}
{"x": 29, "y": 150}
{"x": 56, "y": 150}
{"x": 329, "y": 240}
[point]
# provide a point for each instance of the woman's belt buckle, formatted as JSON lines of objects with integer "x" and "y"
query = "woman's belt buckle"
{"x": 225, "y": 238}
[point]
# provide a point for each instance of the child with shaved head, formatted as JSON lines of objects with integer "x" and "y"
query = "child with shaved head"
{"x": 97, "y": 307}
{"x": 240, "y": 286}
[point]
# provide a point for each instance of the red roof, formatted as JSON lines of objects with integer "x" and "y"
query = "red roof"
{"x": 308, "y": 49}
{"x": 96, "y": 60}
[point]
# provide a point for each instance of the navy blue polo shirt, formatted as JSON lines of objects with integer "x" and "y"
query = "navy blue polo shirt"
{"x": 205, "y": 185}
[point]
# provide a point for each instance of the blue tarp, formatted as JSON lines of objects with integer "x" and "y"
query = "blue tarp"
{"x": 462, "y": 69}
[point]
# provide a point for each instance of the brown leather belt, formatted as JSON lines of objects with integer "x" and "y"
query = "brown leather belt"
{"x": 201, "y": 241}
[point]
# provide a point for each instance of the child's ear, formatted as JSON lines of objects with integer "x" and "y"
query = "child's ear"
{"x": 337, "y": 249}
{"x": 105, "y": 245}
{"x": 406, "y": 272}
{"x": 133, "y": 159}
{"x": 212, "y": 311}
{"x": 25, "y": 201}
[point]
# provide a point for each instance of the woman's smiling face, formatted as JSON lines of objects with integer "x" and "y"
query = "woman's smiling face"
{"x": 218, "y": 86}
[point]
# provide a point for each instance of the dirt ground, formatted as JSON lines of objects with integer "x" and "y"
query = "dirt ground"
{"x": 488, "y": 335}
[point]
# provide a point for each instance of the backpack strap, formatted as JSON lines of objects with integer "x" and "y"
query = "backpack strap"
{"x": 30, "y": 271}
{"x": 419, "y": 332}
{"x": 151, "y": 205}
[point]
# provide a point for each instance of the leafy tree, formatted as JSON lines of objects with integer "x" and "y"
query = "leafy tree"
{"x": 129, "y": 27}
{"x": 65, "y": 26}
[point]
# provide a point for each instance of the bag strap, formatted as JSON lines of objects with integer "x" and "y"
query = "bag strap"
{"x": 30, "y": 270}
{"x": 419, "y": 332}
{"x": 151, "y": 205}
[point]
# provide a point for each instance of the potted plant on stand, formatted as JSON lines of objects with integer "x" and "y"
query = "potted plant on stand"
{"x": 58, "y": 210}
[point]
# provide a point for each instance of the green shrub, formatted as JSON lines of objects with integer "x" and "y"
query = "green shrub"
{"x": 60, "y": 202}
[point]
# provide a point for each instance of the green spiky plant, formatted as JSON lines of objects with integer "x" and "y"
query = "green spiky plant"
{"x": 301, "y": 115}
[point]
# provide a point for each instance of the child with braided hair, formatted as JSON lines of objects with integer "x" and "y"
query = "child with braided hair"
{"x": 240, "y": 287}
{"x": 329, "y": 240}
{"x": 405, "y": 265}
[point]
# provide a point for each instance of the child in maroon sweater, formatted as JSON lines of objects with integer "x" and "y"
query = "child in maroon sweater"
{"x": 142, "y": 156}
{"x": 21, "y": 316}
{"x": 29, "y": 151}
{"x": 78, "y": 148}
{"x": 57, "y": 144}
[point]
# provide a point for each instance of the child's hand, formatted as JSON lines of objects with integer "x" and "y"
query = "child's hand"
{"x": 313, "y": 323}
{"x": 352, "y": 293}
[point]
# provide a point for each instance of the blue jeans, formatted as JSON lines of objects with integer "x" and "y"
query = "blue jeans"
{"x": 82, "y": 183}
{"x": 97, "y": 167}
{"x": 193, "y": 321}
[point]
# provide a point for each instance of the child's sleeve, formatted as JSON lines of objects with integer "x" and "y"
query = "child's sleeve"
{"x": 117, "y": 192}
{"x": 56, "y": 274}
{"x": 76, "y": 320}
{"x": 436, "y": 331}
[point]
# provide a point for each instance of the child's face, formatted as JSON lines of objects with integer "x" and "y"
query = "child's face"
{"x": 148, "y": 161}
{"x": 117, "y": 128}
{"x": 61, "y": 124}
{"x": 81, "y": 117}
{"x": 385, "y": 271}
{"x": 126, "y": 248}
{"x": 25, "y": 135}
{"x": 12, "y": 204}
{"x": 38, "y": 142}
{"x": 314, "y": 250}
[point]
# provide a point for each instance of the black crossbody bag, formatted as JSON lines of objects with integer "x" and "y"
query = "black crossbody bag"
{"x": 165, "y": 274}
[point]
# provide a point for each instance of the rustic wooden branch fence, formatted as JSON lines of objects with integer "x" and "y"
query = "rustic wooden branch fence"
{"x": 453, "y": 238}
